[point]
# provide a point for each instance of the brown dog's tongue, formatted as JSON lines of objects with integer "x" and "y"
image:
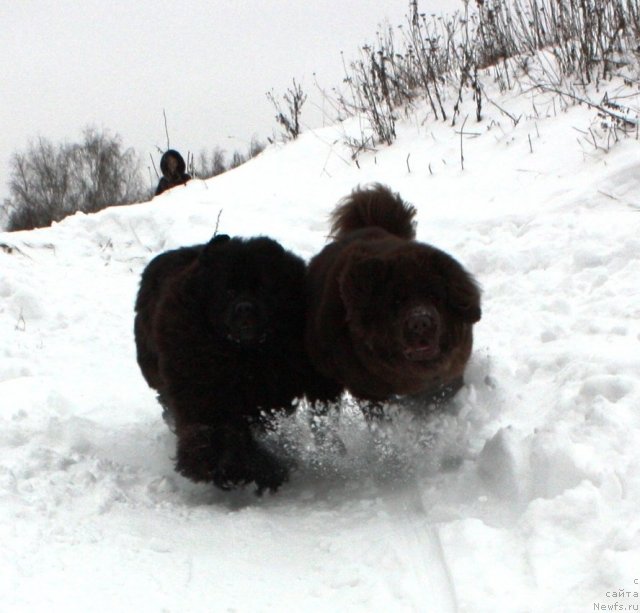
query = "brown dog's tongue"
{"x": 422, "y": 353}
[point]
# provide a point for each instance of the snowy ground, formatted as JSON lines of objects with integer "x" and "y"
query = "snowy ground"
{"x": 524, "y": 497}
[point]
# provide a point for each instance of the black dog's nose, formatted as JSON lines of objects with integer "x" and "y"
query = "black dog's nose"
{"x": 244, "y": 322}
{"x": 418, "y": 324}
{"x": 244, "y": 309}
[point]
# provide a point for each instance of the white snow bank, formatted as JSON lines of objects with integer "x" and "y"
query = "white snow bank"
{"x": 524, "y": 497}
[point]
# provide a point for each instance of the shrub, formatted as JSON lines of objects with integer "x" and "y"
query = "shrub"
{"x": 588, "y": 40}
{"x": 289, "y": 117}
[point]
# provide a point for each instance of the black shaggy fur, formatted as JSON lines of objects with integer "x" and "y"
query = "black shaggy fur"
{"x": 219, "y": 334}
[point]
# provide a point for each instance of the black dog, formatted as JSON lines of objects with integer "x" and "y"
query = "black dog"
{"x": 219, "y": 333}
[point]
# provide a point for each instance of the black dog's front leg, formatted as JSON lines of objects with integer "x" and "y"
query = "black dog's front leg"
{"x": 227, "y": 456}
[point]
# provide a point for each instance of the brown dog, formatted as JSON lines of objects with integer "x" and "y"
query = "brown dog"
{"x": 388, "y": 315}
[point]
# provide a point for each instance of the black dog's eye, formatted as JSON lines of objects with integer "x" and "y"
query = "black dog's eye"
{"x": 398, "y": 297}
{"x": 231, "y": 294}
{"x": 267, "y": 283}
{"x": 438, "y": 293}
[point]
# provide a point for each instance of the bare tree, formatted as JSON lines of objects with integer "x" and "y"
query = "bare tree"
{"x": 237, "y": 159}
{"x": 210, "y": 165}
{"x": 49, "y": 182}
{"x": 256, "y": 147}
{"x": 214, "y": 164}
{"x": 217, "y": 162}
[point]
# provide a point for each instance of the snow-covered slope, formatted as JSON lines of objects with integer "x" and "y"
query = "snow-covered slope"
{"x": 524, "y": 497}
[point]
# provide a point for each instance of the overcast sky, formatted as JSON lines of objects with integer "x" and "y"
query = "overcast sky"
{"x": 117, "y": 65}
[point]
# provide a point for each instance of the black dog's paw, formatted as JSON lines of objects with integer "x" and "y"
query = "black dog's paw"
{"x": 228, "y": 457}
{"x": 268, "y": 473}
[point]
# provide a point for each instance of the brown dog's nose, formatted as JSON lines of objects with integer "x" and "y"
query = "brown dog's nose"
{"x": 421, "y": 319}
{"x": 421, "y": 324}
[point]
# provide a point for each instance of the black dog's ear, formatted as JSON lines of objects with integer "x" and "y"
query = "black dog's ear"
{"x": 267, "y": 246}
{"x": 216, "y": 241}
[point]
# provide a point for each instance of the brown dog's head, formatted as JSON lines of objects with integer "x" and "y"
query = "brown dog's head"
{"x": 408, "y": 304}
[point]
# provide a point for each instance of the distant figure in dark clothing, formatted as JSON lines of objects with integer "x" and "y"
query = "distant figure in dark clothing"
{"x": 173, "y": 171}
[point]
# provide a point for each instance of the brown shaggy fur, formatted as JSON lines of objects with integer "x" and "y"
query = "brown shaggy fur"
{"x": 388, "y": 315}
{"x": 219, "y": 333}
{"x": 375, "y": 206}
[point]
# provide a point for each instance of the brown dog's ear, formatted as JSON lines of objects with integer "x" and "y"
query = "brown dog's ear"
{"x": 463, "y": 297}
{"x": 463, "y": 294}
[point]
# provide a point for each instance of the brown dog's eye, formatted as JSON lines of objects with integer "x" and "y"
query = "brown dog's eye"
{"x": 469, "y": 311}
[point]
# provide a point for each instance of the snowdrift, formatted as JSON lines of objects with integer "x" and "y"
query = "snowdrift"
{"x": 523, "y": 497}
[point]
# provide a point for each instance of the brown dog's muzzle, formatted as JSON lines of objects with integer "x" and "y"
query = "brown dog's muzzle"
{"x": 421, "y": 333}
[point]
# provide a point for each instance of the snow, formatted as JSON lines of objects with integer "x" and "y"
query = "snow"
{"x": 523, "y": 497}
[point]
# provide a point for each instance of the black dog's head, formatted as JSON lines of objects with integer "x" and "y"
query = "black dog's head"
{"x": 251, "y": 290}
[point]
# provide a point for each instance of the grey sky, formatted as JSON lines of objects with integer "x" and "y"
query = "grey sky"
{"x": 116, "y": 65}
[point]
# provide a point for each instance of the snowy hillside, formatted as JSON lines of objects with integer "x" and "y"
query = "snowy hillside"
{"x": 524, "y": 497}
